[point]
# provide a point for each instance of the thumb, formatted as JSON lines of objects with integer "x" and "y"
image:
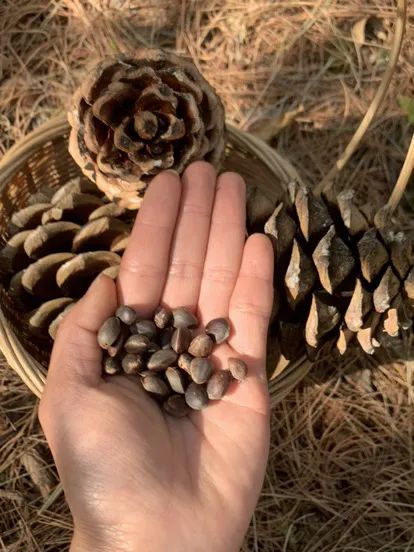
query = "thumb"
{"x": 75, "y": 365}
{"x": 76, "y": 356}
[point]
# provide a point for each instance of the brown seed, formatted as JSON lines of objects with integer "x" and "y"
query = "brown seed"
{"x": 153, "y": 347}
{"x": 137, "y": 343}
{"x": 145, "y": 327}
{"x": 201, "y": 369}
{"x": 184, "y": 362}
{"x": 162, "y": 359}
{"x": 131, "y": 364}
{"x": 146, "y": 373}
{"x": 126, "y": 314}
{"x": 162, "y": 317}
{"x": 196, "y": 396}
{"x": 117, "y": 347}
{"x": 218, "y": 329}
{"x": 238, "y": 368}
{"x": 201, "y": 346}
{"x": 109, "y": 332}
{"x": 176, "y": 406}
{"x": 218, "y": 383}
{"x": 154, "y": 385}
{"x": 180, "y": 339}
{"x": 111, "y": 366}
{"x": 165, "y": 339}
{"x": 176, "y": 378}
{"x": 183, "y": 318}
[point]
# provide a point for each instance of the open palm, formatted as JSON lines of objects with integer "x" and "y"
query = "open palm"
{"x": 135, "y": 478}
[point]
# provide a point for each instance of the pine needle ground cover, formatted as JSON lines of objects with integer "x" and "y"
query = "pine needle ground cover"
{"x": 301, "y": 76}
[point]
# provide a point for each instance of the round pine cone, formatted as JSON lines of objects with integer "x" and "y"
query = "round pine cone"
{"x": 135, "y": 116}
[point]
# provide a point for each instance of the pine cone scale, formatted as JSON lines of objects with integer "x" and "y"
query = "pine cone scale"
{"x": 137, "y": 116}
{"x": 46, "y": 267}
{"x": 337, "y": 282}
{"x": 372, "y": 254}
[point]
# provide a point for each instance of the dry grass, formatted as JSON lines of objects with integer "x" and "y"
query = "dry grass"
{"x": 340, "y": 476}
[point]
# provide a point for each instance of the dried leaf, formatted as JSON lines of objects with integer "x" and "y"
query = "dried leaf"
{"x": 37, "y": 471}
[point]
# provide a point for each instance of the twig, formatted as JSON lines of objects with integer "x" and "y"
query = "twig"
{"x": 403, "y": 179}
{"x": 327, "y": 181}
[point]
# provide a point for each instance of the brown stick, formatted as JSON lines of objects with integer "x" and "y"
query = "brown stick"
{"x": 327, "y": 181}
{"x": 403, "y": 179}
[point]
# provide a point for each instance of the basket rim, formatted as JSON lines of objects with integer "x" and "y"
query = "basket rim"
{"x": 32, "y": 373}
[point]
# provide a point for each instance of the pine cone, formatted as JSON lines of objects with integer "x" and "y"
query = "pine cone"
{"x": 57, "y": 247}
{"x": 340, "y": 278}
{"x": 135, "y": 116}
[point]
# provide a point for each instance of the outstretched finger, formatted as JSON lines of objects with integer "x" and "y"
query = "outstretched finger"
{"x": 225, "y": 247}
{"x": 251, "y": 302}
{"x": 145, "y": 261}
{"x": 189, "y": 246}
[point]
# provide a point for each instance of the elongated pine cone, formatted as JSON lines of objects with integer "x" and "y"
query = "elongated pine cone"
{"x": 58, "y": 244}
{"x": 137, "y": 115}
{"x": 341, "y": 277}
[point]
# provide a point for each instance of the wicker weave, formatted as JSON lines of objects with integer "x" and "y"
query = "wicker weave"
{"x": 42, "y": 159}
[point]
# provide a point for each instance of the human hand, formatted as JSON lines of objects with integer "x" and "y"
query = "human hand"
{"x": 135, "y": 478}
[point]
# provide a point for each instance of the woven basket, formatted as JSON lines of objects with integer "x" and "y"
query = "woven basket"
{"x": 41, "y": 159}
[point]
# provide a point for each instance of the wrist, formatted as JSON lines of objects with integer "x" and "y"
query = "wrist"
{"x": 82, "y": 542}
{"x": 103, "y": 541}
{"x": 108, "y": 540}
